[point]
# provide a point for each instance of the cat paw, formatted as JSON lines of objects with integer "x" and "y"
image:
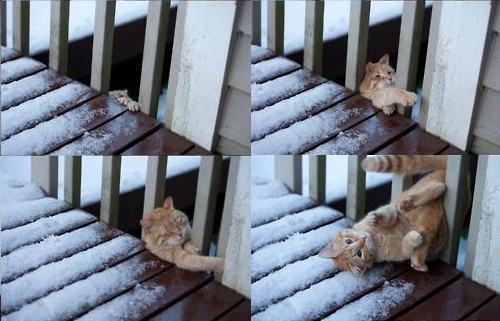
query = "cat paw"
{"x": 419, "y": 267}
{"x": 374, "y": 219}
{"x": 405, "y": 205}
{"x": 415, "y": 238}
{"x": 410, "y": 99}
{"x": 388, "y": 110}
{"x": 133, "y": 106}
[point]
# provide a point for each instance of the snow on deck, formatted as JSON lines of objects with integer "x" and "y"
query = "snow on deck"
{"x": 271, "y": 68}
{"x": 346, "y": 143}
{"x": 270, "y": 209}
{"x": 15, "y": 69}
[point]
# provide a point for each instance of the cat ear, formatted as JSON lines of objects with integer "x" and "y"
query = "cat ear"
{"x": 168, "y": 203}
{"x": 145, "y": 222}
{"x": 384, "y": 60}
{"x": 327, "y": 252}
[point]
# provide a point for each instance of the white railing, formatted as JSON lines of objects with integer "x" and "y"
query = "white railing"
{"x": 234, "y": 228}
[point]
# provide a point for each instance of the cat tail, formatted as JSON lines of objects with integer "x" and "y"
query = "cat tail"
{"x": 193, "y": 262}
{"x": 404, "y": 164}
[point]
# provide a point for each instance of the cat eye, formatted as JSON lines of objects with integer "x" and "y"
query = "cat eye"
{"x": 359, "y": 253}
{"x": 348, "y": 241}
{"x": 378, "y": 76}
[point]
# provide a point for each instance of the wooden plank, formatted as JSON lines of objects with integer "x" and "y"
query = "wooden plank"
{"x": 9, "y": 53}
{"x": 357, "y": 43}
{"x": 289, "y": 170}
{"x": 211, "y": 302}
{"x": 256, "y": 23}
{"x": 489, "y": 311}
{"x": 313, "y": 38}
{"x": 259, "y": 54}
{"x": 73, "y": 180}
{"x": 44, "y": 174}
{"x": 317, "y": 178}
{"x": 228, "y": 146}
{"x": 271, "y": 69}
{"x": 356, "y": 188}
{"x": 244, "y": 20}
{"x": 454, "y": 302}
{"x": 21, "y": 27}
{"x": 276, "y": 26}
{"x": 207, "y": 190}
{"x": 154, "y": 55}
{"x": 59, "y": 24}
{"x": 457, "y": 171}
{"x": 492, "y": 63}
{"x": 416, "y": 142}
{"x": 31, "y": 87}
{"x": 241, "y": 312}
{"x": 234, "y": 124}
{"x": 3, "y": 23}
{"x": 410, "y": 37}
{"x": 110, "y": 189}
{"x": 197, "y": 150}
{"x": 238, "y": 72}
{"x": 487, "y": 120}
{"x": 154, "y": 192}
{"x": 162, "y": 142}
{"x": 452, "y": 150}
{"x": 102, "y": 48}
{"x": 19, "y": 68}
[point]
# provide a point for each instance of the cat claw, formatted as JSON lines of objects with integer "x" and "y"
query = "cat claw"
{"x": 388, "y": 110}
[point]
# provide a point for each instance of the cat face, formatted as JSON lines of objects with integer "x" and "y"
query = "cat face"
{"x": 349, "y": 250}
{"x": 379, "y": 74}
{"x": 165, "y": 226}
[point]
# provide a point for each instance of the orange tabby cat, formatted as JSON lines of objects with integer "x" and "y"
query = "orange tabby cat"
{"x": 166, "y": 231}
{"x": 377, "y": 85}
{"x": 412, "y": 228}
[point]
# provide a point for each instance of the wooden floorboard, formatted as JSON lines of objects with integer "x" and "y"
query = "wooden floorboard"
{"x": 239, "y": 312}
{"x": 162, "y": 142}
{"x": 489, "y": 311}
{"x": 416, "y": 142}
{"x": 19, "y": 68}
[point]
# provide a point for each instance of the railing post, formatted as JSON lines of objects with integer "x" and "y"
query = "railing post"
{"x": 206, "y": 199}
{"x": 59, "y": 23}
{"x": 313, "y": 38}
{"x": 154, "y": 54}
{"x": 102, "y": 45}
{"x": 457, "y": 170}
{"x": 276, "y": 26}
{"x": 256, "y": 23}
{"x": 3, "y": 22}
{"x": 317, "y": 177}
{"x": 357, "y": 43}
{"x": 356, "y": 188}
{"x": 288, "y": 169}
{"x": 234, "y": 236}
{"x": 72, "y": 180}
{"x": 409, "y": 48}
{"x": 21, "y": 23}
{"x": 400, "y": 183}
{"x": 154, "y": 192}
{"x": 110, "y": 192}
{"x": 44, "y": 173}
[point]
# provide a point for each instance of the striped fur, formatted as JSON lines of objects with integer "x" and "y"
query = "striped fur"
{"x": 404, "y": 164}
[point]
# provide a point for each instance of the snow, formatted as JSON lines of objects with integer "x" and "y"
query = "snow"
{"x": 8, "y": 53}
{"x": 14, "y": 214}
{"x": 14, "y": 69}
{"x": 269, "y": 189}
{"x": 32, "y": 256}
{"x": 288, "y": 280}
{"x": 277, "y": 255}
{"x": 299, "y": 136}
{"x": 90, "y": 292}
{"x": 259, "y": 53}
{"x": 271, "y": 68}
{"x": 42, "y": 228}
{"x": 270, "y": 91}
{"x": 291, "y": 224}
{"x": 91, "y": 143}
{"x": 16, "y": 193}
{"x": 346, "y": 143}
{"x": 312, "y": 302}
{"x": 56, "y": 275}
{"x": 128, "y": 306}
{"x": 375, "y": 305}
{"x": 274, "y": 208}
{"x": 32, "y": 112}
{"x": 283, "y": 113}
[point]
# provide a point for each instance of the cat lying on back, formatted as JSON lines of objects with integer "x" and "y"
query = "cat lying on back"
{"x": 123, "y": 98}
{"x": 377, "y": 85}
{"x": 166, "y": 232}
{"x": 414, "y": 227}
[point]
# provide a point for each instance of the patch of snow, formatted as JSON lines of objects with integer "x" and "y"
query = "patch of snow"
{"x": 345, "y": 143}
{"x": 8, "y": 53}
{"x": 288, "y": 280}
{"x": 269, "y": 189}
{"x": 285, "y": 112}
{"x": 257, "y": 53}
{"x": 375, "y": 305}
{"x": 25, "y": 192}
{"x": 271, "y": 68}
{"x": 56, "y": 275}
{"x": 91, "y": 143}
{"x": 14, "y": 69}
{"x": 267, "y": 210}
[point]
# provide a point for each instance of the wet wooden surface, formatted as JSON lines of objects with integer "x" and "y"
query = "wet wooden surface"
{"x": 367, "y": 132}
{"x": 186, "y": 295}
{"x": 96, "y": 124}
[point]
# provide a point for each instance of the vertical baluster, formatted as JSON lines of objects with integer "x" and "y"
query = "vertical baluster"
{"x": 59, "y": 23}
{"x": 356, "y": 188}
{"x": 3, "y": 23}
{"x": 72, "y": 179}
{"x": 102, "y": 45}
{"x": 317, "y": 177}
{"x": 276, "y": 26}
{"x": 409, "y": 48}
{"x": 289, "y": 170}
{"x": 154, "y": 192}
{"x": 154, "y": 54}
{"x": 21, "y": 30}
{"x": 400, "y": 183}
{"x": 110, "y": 192}
{"x": 313, "y": 39}
{"x": 206, "y": 199}
{"x": 44, "y": 173}
{"x": 457, "y": 170}
{"x": 357, "y": 43}
{"x": 256, "y": 23}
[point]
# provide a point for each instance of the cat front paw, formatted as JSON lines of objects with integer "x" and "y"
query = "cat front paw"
{"x": 419, "y": 267}
{"x": 374, "y": 219}
{"x": 405, "y": 205}
{"x": 388, "y": 110}
{"x": 409, "y": 99}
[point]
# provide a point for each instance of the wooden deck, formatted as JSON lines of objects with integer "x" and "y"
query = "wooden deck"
{"x": 297, "y": 112}
{"x": 290, "y": 281}
{"x": 44, "y": 112}
{"x": 64, "y": 264}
